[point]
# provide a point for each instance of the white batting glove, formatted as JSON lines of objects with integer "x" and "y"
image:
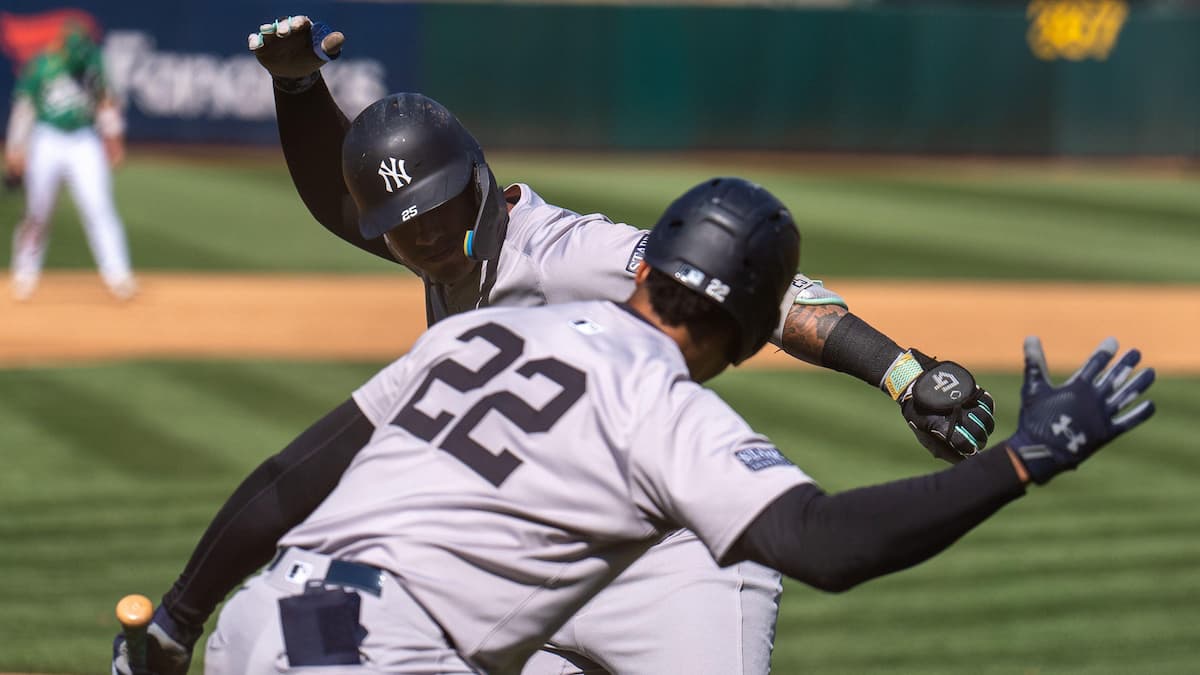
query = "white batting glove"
{"x": 295, "y": 47}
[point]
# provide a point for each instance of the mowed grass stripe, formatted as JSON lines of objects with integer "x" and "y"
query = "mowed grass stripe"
{"x": 867, "y": 225}
{"x": 197, "y": 216}
{"x": 33, "y": 527}
{"x": 1093, "y": 649}
{"x": 146, "y": 419}
{"x": 1001, "y": 222}
{"x": 1157, "y": 194}
{"x": 1076, "y": 205}
{"x": 956, "y": 581}
{"x": 922, "y": 220}
{"x": 106, "y": 431}
{"x": 1071, "y": 618}
{"x": 1080, "y": 523}
{"x": 1028, "y": 617}
{"x": 891, "y": 229}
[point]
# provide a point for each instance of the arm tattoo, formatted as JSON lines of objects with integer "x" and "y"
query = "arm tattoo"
{"x": 807, "y": 328}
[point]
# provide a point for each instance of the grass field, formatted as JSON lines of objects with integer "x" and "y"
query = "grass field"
{"x": 900, "y": 219}
{"x": 112, "y": 470}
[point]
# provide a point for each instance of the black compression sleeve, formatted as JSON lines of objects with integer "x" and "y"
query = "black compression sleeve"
{"x": 855, "y": 348}
{"x": 276, "y": 497}
{"x": 834, "y": 542}
{"x": 311, "y": 129}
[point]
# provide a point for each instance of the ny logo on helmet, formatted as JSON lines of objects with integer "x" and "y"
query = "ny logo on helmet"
{"x": 394, "y": 172}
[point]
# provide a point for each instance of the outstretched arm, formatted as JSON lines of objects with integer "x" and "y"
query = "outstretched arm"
{"x": 952, "y": 422}
{"x": 832, "y": 337}
{"x": 311, "y": 126}
{"x": 834, "y": 542}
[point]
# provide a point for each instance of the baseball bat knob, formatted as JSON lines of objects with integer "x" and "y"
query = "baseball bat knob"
{"x": 135, "y": 611}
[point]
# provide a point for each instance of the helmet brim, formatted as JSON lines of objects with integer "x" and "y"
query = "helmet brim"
{"x": 418, "y": 198}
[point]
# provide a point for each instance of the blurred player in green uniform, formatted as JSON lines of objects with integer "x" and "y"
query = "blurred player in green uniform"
{"x": 65, "y": 125}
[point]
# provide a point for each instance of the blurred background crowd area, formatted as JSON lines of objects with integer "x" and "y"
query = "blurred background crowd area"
{"x": 991, "y": 77}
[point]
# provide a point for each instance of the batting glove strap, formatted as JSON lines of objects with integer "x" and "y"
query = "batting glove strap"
{"x": 901, "y": 374}
{"x": 1041, "y": 462}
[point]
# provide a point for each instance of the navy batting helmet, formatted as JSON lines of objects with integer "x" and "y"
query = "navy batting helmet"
{"x": 737, "y": 245}
{"x": 405, "y": 155}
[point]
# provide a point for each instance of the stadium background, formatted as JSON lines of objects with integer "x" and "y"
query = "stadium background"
{"x": 1034, "y": 161}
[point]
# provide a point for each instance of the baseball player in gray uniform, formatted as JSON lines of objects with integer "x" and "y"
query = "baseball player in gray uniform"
{"x": 521, "y": 459}
{"x": 407, "y": 182}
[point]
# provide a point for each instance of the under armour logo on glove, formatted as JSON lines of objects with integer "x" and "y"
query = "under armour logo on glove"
{"x": 1063, "y": 428}
{"x": 1059, "y": 427}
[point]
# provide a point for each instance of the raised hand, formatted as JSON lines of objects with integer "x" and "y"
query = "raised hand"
{"x": 295, "y": 47}
{"x": 1059, "y": 427}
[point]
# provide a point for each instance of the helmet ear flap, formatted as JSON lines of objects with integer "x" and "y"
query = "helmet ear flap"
{"x": 484, "y": 240}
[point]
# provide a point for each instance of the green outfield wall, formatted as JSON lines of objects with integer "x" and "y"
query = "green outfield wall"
{"x": 1045, "y": 78}
{"x": 1039, "y": 77}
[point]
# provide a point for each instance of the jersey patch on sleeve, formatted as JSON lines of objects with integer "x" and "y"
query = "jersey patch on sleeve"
{"x": 757, "y": 459}
{"x": 639, "y": 253}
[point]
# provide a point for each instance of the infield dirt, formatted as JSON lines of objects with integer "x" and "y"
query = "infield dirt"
{"x": 71, "y": 318}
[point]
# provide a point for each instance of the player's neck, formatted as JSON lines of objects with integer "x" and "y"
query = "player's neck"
{"x": 704, "y": 361}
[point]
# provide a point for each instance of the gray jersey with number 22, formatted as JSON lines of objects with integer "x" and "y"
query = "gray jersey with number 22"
{"x": 523, "y": 457}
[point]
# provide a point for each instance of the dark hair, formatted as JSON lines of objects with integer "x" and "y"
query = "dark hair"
{"x": 677, "y": 305}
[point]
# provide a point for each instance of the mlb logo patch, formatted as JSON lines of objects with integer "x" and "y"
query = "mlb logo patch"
{"x": 689, "y": 276}
{"x": 299, "y": 572}
{"x": 638, "y": 255}
{"x": 757, "y": 459}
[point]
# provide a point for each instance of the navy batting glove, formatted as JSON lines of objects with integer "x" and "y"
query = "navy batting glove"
{"x": 1059, "y": 427}
{"x": 951, "y": 416}
{"x": 169, "y": 645}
